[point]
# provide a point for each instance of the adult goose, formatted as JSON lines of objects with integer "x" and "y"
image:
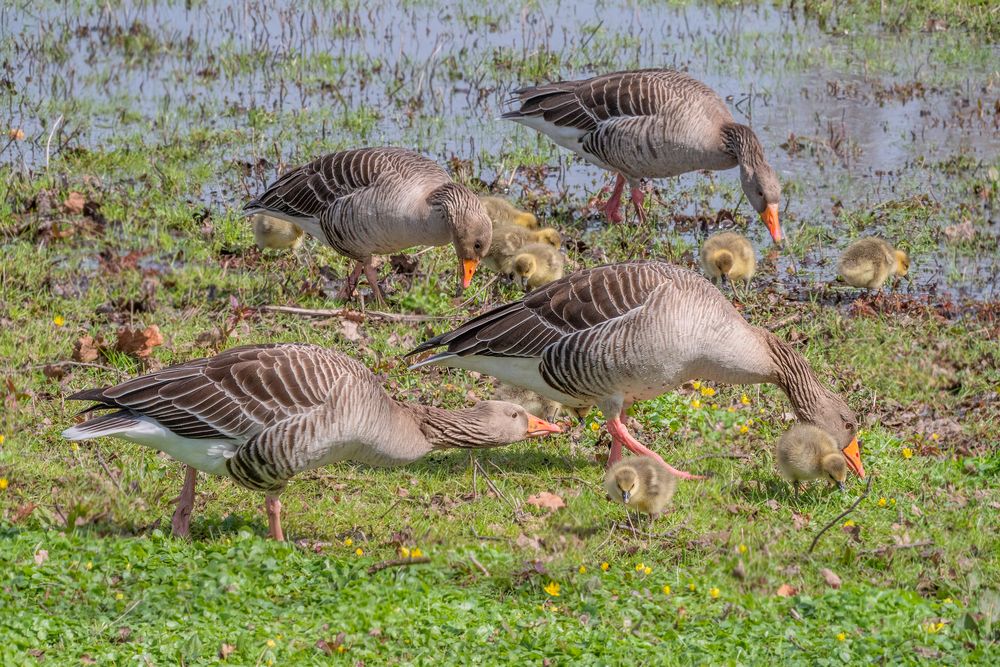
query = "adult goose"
{"x": 372, "y": 201}
{"x": 621, "y": 333}
{"x": 262, "y": 414}
{"x": 651, "y": 123}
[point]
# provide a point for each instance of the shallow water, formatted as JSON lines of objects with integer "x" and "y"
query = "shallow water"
{"x": 875, "y": 115}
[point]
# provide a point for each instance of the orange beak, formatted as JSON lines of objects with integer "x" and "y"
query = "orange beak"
{"x": 770, "y": 218}
{"x": 468, "y": 270}
{"x": 853, "y": 455}
{"x": 539, "y": 427}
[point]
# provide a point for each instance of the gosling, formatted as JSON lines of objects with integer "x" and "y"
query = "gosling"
{"x": 275, "y": 233}
{"x": 537, "y": 264}
{"x": 502, "y": 212}
{"x": 806, "y": 452}
{"x": 869, "y": 262}
{"x": 641, "y": 483}
{"x": 539, "y": 405}
{"x": 728, "y": 255}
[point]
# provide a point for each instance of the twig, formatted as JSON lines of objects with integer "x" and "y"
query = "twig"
{"x": 629, "y": 528}
{"x": 81, "y": 364}
{"x": 398, "y": 562}
{"x": 107, "y": 471}
{"x": 128, "y": 610}
{"x": 784, "y": 321}
{"x": 688, "y": 462}
{"x": 479, "y": 566}
{"x": 345, "y": 312}
{"x": 868, "y": 487}
{"x": 896, "y": 547}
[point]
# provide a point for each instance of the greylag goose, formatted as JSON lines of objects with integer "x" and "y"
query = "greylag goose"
{"x": 621, "y": 333}
{"x": 502, "y": 212}
{"x": 642, "y": 483}
{"x": 537, "y": 264}
{"x": 262, "y": 414}
{"x": 806, "y": 452}
{"x": 372, "y": 201}
{"x": 650, "y": 123}
{"x": 728, "y": 255}
{"x": 868, "y": 262}
{"x": 275, "y": 233}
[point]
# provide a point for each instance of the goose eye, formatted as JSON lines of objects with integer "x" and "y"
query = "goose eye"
{"x": 849, "y": 426}
{"x": 513, "y": 415}
{"x": 478, "y": 246}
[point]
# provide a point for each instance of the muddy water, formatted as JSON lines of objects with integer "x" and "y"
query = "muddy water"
{"x": 865, "y": 121}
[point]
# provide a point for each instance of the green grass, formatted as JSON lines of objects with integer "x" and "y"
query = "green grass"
{"x": 923, "y": 372}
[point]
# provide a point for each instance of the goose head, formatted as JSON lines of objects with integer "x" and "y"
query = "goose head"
{"x": 763, "y": 190}
{"x": 902, "y": 263}
{"x": 471, "y": 229}
{"x": 501, "y": 423}
{"x": 834, "y": 417}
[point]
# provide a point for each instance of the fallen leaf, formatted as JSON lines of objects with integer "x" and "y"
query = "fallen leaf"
{"x": 524, "y": 542}
{"x": 74, "y": 203}
{"x": 41, "y": 556}
{"x": 15, "y": 134}
{"x": 961, "y": 232}
{"x": 87, "y": 349}
{"x": 350, "y": 330}
{"x": 23, "y": 512}
{"x": 226, "y": 650}
{"x": 772, "y": 504}
{"x": 139, "y": 342}
{"x": 330, "y": 646}
{"x": 124, "y": 632}
{"x": 54, "y": 371}
{"x": 785, "y": 591}
{"x": 87, "y": 660}
{"x": 800, "y": 521}
{"x": 831, "y": 578}
{"x": 546, "y": 500}
{"x": 402, "y": 264}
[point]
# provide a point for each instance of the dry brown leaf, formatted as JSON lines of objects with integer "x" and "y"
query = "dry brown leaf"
{"x": 800, "y": 521}
{"x": 15, "y": 134}
{"x": 351, "y": 330}
{"x": 139, "y": 342}
{"x": 74, "y": 203}
{"x": 961, "y": 232}
{"x": 785, "y": 591}
{"x": 831, "y": 578}
{"x": 226, "y": 650}
{"x": 41, "y": 556}
{"x": 23, "y": 512}
{"x": 524, "y": 542}
{"x": 546, "y": 500}
{"x": 54, "y": 371}
{"x": 87, "y": 349}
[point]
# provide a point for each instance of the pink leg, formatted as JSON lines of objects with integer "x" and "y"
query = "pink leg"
{"x": 613, "y": 208}
{"x": 273, "y": 507}
{"x": 372, "y": 275}
{"x": 638, "y": 199}
{"x": 351, "y": 282}
{"x": 619, "y": 433}
{"x": 181, "y": 521}
{"x": 615, "y": 454}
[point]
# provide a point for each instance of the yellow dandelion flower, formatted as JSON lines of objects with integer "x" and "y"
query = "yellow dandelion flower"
{"x": 119, "y": 596}
{"x": 404, "y": 552}
{"x": 416, "y": 553}
{"x": 742, "y": 548}
{"x": 692, "y": 587}
{"x": 4, "y": 483}
{"x": 74, "y": 446}
{"x": 935, "y": 436}
{"x": 270, "y": 643}
{"x": 713, "y": 593}
{"x": 640, "y": 567}
{"x": 715, "y": 406}
{"x": 348, "y": 542}
{"x": 696, "y": 384}
{"x": 744, "y": 429}
{"x": 2, "y": 438}
{"x": 604, "y": 566}
{"x": 666, "y": 589}
{"x": 882, "y": 502}
{"x": 58, "y": 320}
{"x": 761, "y": 411}
{"x": 907, "y": 453}
{"x": 583, "y": 569}
{"x": 341, "y": 648}
{"x": 359, "y": 552}
{"x": 750, "y": 422}
{"x": 841, "y": 636}
{"x": 648, "y": 570}
{"x": 594, "y": 426}
{"x": 278, "y": 637}
{"x": 848, "y": 523}
{"x": 744, "y": 399}
{"x": 696, "y": 404}
{"x": 89, "y": 565}
{"x": 552, "y": 589}
{"x": 707, "y": 391}
{"x": 730, "y": 409}
{"x": 892, "y": 502}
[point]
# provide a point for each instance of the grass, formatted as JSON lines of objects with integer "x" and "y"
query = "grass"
{"x": 90, "y": 572}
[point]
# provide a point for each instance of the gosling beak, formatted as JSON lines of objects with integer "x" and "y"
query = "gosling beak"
{"x": 853, "y": 455}
{"x": 468, "y": 270}
{"x": 770, "y": 218}
{"x": 625, "y": 497}
{"x": 539, "y": 427}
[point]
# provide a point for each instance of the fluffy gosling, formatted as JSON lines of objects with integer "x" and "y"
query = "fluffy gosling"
{"x": 639, "y": 482}
{"x": 728, "y": 255}
{"x": 537, "y": 264}
{"x": 539, "y": 405}
{"x": 502, "y": 212}
{"x": 806, "y": 452}
{"x": 869, "y": 262}
{"x": 275, "y": 233}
